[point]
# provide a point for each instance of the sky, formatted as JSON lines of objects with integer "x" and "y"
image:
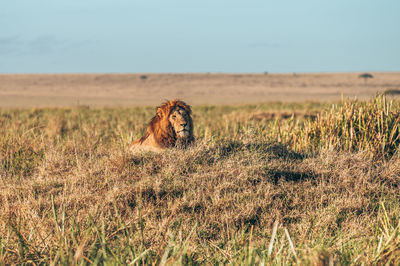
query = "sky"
{"x": 232, "y": 36}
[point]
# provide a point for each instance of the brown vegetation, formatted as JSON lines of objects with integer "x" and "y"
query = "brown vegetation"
{"x": 71, "y": 192}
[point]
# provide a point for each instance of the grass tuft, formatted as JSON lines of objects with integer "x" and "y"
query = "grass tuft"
{"x": 371, "y": 127}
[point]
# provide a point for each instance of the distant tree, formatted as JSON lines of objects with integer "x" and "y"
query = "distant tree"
{"x": 393, "y": 92}
{"x": 366, "y": 76}
{"x": 143, "y": 77}
{"x": 265, "y": 72}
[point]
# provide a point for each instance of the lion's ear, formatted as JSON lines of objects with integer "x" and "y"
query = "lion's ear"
{"x": 162, "y": 112}
{"x": 159, "y": 112}
{"x": 186, "y": 107}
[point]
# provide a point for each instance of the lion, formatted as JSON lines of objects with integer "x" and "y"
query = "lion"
{"x": 172, "y": 126}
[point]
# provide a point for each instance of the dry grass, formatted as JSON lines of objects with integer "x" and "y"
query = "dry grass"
{"x": 70, "y": 192}
{"x": 371, "y": 127}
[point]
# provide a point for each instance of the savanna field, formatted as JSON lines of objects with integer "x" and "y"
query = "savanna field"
{"x": 276, "y": 183}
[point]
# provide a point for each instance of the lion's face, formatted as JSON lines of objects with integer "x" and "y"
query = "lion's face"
{"x": 180, "y": 121}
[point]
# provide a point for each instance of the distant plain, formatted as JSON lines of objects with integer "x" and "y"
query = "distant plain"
{"x": 55, "y": 90}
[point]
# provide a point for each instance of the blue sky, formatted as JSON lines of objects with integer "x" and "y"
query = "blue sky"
{"x": 123, "y": 36}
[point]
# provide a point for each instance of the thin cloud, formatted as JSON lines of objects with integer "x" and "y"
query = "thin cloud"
{"x": 40, "y": 45}
{"x": 44, "y": 44}
{"x": 265, "y": 45}
{"x": 10, "y": 45}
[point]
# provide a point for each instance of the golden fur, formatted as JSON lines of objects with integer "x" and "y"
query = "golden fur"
{"x": 171, "y": 126}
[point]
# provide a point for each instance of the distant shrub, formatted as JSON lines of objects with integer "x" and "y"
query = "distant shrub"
{"x": 366, "y": 76}
{"x": 392, "y": 92}
{"x": 143, "y": 77}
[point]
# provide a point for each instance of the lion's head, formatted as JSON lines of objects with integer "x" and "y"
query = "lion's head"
{"x": 171, "y": 126}
{"x": 181, "y": 122}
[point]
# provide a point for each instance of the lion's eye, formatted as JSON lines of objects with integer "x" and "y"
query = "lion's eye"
{"x": 174, "y": 116}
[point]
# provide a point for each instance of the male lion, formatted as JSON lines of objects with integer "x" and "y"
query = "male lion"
{"x": 171, "y": 126}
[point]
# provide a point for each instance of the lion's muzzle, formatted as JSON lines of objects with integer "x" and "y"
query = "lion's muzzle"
{"x": 184, "y": 133}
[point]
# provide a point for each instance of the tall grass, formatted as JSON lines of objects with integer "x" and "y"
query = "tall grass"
{"x": 254, "y": 189}
{"x": 366, "y": 126}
